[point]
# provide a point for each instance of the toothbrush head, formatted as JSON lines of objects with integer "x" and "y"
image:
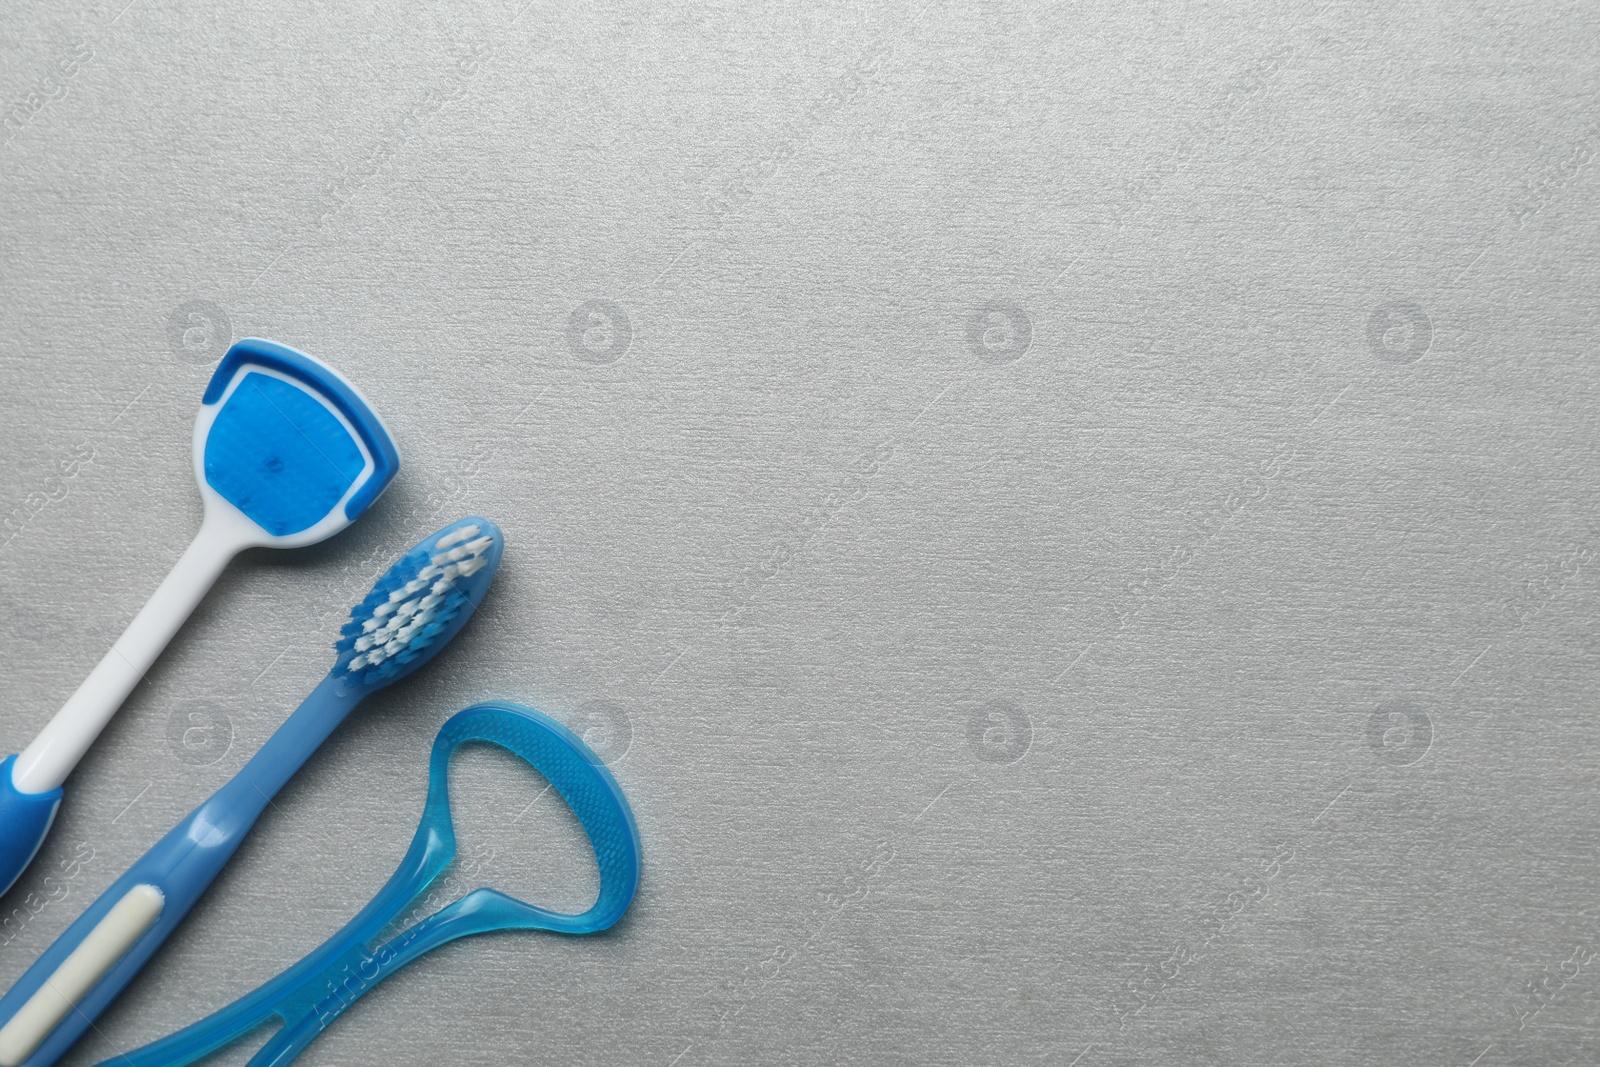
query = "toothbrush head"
{"x": 419, "y": 604}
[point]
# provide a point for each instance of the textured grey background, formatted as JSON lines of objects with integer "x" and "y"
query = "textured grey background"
{"x": 1074, "y": 523}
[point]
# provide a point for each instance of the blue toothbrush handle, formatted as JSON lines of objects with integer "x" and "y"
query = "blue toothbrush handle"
{"x": 68, "y": 987}
{"x": 24, "y": 820}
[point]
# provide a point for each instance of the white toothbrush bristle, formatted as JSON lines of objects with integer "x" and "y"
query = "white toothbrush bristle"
{"x": 455, "y": 537}
{"x": 415, "y": 610}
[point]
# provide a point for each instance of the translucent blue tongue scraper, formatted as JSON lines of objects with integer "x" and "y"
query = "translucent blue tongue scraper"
{"x": 309, "y": 996}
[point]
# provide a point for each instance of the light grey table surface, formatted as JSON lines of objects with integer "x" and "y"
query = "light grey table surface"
{"x": 1073, "y": 524}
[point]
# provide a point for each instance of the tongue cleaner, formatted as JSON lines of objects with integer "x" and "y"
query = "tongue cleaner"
{"x": 287, "y": 453}
{"x": 310, "y": 995}
{"x": 411, "y": 614}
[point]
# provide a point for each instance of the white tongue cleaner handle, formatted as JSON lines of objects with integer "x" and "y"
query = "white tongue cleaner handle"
{"x": 45, "y": 763}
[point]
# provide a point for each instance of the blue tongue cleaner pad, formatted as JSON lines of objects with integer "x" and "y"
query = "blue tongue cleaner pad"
{"x": 284, "y": 442}
{"x": 286, "y": 453}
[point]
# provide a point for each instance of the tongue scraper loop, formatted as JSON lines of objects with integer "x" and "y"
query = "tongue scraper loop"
{"x": 309, "y": 996}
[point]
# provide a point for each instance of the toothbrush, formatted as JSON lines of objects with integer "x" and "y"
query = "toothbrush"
{"x": 413, "y": 612}
{"x": 286, "y": 453}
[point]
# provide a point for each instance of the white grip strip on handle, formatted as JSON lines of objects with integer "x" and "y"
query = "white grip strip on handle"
{"x": 127, "y": 920}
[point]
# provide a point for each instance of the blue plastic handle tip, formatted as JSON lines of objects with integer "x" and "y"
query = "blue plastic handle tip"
{"x": 24, "y": 820}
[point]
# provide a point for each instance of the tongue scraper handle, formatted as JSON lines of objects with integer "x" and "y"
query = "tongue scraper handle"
{"x": 286, "y": 453}
{"x": 310, "y": 995}
{"x": 30, "y": 784}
